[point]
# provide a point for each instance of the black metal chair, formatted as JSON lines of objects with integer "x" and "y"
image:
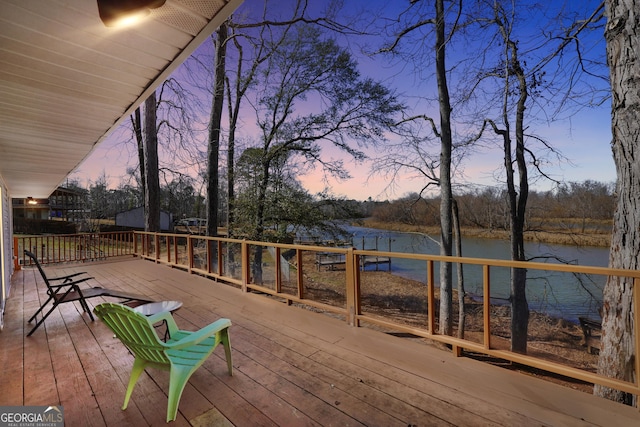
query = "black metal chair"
{"x": 65, "y": 289}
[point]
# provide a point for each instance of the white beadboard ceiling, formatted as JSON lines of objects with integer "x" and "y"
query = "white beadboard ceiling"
{"x": 67, "y": 81}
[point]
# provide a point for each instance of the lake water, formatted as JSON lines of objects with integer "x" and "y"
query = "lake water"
{"x": 558, "y": 294}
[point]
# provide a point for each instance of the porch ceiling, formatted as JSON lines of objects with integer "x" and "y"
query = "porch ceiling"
{"x": 67, "y": 81}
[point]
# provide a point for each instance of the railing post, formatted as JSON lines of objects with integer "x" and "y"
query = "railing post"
{"x": 175, "y": 249}
{"x": 83, "y": 247}
{"x": 486, "y": 302}
{"x": 278, "y": 270}
{"x": 431, "y": 299}
{"x": 208, "y": 244}
{"x": 244, "y": 254}
{"x": 352, "y": 287}
{"x": 636, "y": 330}
{"x": 299, "y": 276}
{"x": 190, "y": 252}
{"x": 156, "y": 240}
{"x": 168, "y": 243}
{"x": 16, "y": 260}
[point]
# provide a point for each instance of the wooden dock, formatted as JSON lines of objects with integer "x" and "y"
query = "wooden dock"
{"x": 332, "y": 260}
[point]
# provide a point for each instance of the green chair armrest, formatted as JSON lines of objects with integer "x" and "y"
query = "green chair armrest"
{"x": 197, "y": 337}
{"x": 167, "y": 317}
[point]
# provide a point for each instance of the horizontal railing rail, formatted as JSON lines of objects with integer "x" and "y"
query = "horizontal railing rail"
{"x": 485, "y": 346}
{"x": 60, "y": 248}
{"x": 284, "y": 271}
{"x": 333, "y": 280}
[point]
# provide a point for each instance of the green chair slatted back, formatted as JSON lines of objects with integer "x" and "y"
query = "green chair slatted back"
{"x": 135, "y": 332}
{"x": 182, "y": 354}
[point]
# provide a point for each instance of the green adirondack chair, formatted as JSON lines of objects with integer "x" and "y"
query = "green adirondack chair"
{"x": 181, "y": 355}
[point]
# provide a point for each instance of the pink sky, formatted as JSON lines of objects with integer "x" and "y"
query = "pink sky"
{"x": 587, "y": 146}
{"x": 584, "y": 140}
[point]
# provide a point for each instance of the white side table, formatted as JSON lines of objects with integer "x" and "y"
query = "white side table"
{"x": 151, "y": 308}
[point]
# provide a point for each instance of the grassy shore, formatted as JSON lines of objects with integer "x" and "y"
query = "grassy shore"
{"x": 597, "y": 236}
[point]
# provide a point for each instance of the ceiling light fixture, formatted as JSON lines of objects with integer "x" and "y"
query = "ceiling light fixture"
{"x": 31, "y": 201}
{"x": 120, "y": 13}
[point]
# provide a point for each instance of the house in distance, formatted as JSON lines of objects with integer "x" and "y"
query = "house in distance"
{"x": 134, "y": 218}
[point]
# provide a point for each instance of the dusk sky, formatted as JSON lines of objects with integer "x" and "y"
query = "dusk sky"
{"x": 583, "y": 139}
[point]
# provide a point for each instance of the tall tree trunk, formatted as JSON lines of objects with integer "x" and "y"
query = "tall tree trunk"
{"x": 517, "y": 195}
{"x": 215, "y": 122}
{"x": 242, "y": 84}
{"x": 517, "y": 296}
{"x": 136, "y": 122}
{"x": 446, "y": 268}
{"x": 152, "y": 179}
{"x": 258, "y": 233}
{"x": 617, "y": 356}
{"x": 231, "y": 167}
{"x": 460, "y": 268}
{"x": 519, "y": 305}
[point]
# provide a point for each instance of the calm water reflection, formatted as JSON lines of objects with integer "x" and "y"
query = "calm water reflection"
{"x": 558, "y": 294}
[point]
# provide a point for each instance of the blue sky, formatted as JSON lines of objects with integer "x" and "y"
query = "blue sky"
{"x": 583, "y": 137}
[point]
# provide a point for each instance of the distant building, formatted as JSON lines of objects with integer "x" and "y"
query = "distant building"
{"x": 59, "y": 214}
{"x": 30, "y": 208}
{"x": 64, "y": 204}
{"x": 68, "y": 204}
{"x": 134, "y": 218}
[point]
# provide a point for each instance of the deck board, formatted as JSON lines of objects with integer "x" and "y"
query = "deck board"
{"x": 292, "y": 366}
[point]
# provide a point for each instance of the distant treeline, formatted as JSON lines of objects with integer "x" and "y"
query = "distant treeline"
{"x": 580, "y": 206}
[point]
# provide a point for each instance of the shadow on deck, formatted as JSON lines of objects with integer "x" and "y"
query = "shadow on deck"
{"x": 291, "y": 367}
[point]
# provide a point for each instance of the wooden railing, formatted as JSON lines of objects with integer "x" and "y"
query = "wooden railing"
{"x": 59, "y": 248}
{"x": 291, "y": 272}
{"x": 300, "y": 274}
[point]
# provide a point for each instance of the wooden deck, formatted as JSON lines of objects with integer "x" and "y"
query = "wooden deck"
{"x": 292, "y": 367}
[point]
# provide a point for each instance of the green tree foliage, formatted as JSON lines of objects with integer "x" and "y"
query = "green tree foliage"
{"x": 289, "y": 208}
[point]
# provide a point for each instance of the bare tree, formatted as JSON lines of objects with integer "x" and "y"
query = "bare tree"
{"x": 437, "y": 171}
{"x": 446, "y": 194}
{"x": 348, "y": 110}
{"x": 243, "y": 39}
{"x": 167, "y": 119}
{"x": 517, "y": 194}
{"x": 136, "y": 123}
{"x": 152, "y": 181}
{"x": 215, "y": 125}
{"x": 237, "y": 89}
{"x": 518, "y": 83}
{"x": 547, "y": 58}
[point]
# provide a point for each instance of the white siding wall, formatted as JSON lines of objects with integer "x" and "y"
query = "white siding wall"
{"x": 6, "y": 247}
